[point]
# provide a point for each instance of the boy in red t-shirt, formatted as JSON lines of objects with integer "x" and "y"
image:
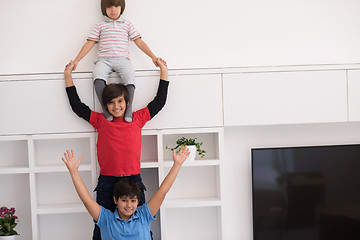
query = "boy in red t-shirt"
{"x": 119, "y": 142}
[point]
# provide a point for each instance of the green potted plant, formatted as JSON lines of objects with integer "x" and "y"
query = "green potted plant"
{"x": 8, "y": 221}
{"x": 193, "y": 145}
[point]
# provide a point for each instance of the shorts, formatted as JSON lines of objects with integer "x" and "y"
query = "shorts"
{"x": 122, "y": 66}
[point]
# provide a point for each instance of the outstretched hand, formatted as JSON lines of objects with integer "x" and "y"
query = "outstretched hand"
{"x": 69, "y": 67}
{"x": 70, "y": 161}
{"x": 154, "y": 60}
{"x": 161, "y": 63}
{"x": 183, "y": 153}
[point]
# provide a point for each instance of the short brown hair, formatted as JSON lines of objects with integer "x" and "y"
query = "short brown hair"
{"x": 109, "y": 3}
{"x": 126, "y": 187}
{"x": 114, "y": 90}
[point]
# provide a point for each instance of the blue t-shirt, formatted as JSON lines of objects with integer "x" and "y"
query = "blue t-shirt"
{"x": 112, "y": 227}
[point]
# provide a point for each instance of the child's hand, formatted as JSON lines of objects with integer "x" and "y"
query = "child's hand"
{"x": 75, "y": 65}
{"x": 161, "y": 63}
{"x": 69, "y": 67}
{"x": 181, "y": 156}
{"x": 154, "y": 60}
{"x": 70, "y": 161}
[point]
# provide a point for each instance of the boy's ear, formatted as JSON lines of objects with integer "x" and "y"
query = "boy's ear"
{"x": 115, "y": 200}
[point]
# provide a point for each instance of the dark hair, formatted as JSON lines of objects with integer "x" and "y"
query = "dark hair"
{"x": 109, "y": 3}
{"x": 114, "y": 90}
{"x": 126, "y": 187}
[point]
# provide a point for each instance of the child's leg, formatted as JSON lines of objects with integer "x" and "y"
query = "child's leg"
{"x": 99, "y": 85}
{"x": 128, "y": 111}
{"x": 101, "y": 74}
{"x": 125, "y": 69}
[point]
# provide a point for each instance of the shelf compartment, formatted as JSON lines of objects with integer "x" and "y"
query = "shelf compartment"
{"x": 149, "y": 165}
{"x": 204, "y": 223}
{"x": 48, "y": 152}
{"x": 17, "y": 195}
{"x": 195, "y": 182}
{"x": 210, "y": 144}
{"x": 57, "y": 189}
{"x": 77, "y": 226}
{"x": 149, "y": 150}
{"x": 14, "y": 154}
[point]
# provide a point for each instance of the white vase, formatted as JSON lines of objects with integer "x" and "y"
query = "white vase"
{"x": 192, "y": 155}
{"x": 12, "y": 237}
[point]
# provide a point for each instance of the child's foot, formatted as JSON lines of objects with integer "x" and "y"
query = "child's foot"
{"x": 107, "y": 115}
{"x": 110, "y": 118}
{"x": 128, "y": 114}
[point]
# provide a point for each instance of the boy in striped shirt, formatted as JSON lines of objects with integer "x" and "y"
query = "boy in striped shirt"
{"x": 113, "y": 36}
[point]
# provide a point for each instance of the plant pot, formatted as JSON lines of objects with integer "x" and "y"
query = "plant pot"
{"x": 12, "y": 237}
{"x": 192, "y": 155}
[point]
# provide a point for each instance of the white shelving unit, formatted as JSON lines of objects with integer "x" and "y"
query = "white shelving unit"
{"x": 32, "y": 164}
{"x": 196, "y": 193}
{"x": 46, "y": 194}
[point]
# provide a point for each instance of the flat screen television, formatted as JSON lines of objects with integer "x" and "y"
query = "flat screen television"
{"x": 306, "y": 193}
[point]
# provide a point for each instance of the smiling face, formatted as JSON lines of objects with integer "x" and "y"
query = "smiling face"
{"x": 126, "y": 206}
{"x": 113, "y": 12}
{"x": 117, "y": 106}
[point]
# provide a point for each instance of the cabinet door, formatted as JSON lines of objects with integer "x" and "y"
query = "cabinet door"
{"x": 354, "y": 95}
{"x": 29, "y": 107}
{"x": 193, "y": 101}
{"x": 285, "y": 97}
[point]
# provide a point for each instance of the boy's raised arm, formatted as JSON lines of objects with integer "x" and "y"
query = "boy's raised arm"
{"x": 158, "y": 198}
{"x": 160, "y": 99}
{"x": 92, "y": 206}
{"x": 67, "y": 74}
{"x": 81, "y": 109}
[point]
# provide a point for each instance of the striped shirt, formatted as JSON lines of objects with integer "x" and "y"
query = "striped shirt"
{"x": 113, "y": 37}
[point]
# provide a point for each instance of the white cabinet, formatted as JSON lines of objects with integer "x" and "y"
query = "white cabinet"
{"x": 285, "y": 97}
{"x": 41, "y": 190}
{"x": 30, "y": 107}
{"x": 193, "y": 101}
{"x": 354, "y": 95}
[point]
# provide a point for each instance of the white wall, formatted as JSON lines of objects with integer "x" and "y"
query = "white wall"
{"x": 42, "y": 36}
{"x": 237, "y": 208}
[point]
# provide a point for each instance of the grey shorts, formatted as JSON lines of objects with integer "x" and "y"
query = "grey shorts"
{"x": 122, "y": 66}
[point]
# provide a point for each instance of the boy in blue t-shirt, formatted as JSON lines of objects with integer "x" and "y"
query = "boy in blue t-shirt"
{"x": 128, "y": 221}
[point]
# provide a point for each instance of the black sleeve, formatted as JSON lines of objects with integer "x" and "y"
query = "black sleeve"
{"x": 160, "y": 99}
{"x": 81, "y": 109}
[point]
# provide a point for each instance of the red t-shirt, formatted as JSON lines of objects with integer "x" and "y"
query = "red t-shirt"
{"x": 119, "y": 143}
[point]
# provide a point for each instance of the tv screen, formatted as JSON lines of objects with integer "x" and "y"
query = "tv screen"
{"x": 306, "y": 193}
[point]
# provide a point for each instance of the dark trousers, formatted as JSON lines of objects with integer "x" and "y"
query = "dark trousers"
{"x": 104, "y": 195}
